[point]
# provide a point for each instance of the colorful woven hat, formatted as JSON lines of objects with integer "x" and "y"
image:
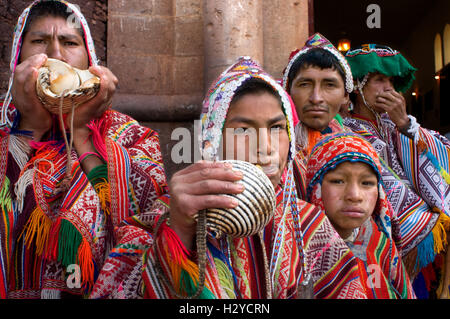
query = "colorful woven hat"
{"x": 336, "y": 148}
{"x": 217, "y": 102}
{"x": 373, "y": 58}
{"x": 319, "y": 41}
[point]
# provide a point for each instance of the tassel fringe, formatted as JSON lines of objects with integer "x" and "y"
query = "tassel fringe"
{"x": 104, "y": 196}
{"x": 37, "y": 229}
{"x": 434, "y": 243}
{"x": 184, "y": 272}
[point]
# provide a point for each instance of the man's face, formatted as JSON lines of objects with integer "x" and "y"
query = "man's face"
{"x": 318, "y": 94}
{"x": 349, "y": 195}
{"x": 255, "y": 131}
{"x": 376, "y": 84}
{"x": 57, "y": 39}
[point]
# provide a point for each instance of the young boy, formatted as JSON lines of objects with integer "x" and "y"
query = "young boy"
{"x": 343, "y": 176}
{"x": 417, "y": 176}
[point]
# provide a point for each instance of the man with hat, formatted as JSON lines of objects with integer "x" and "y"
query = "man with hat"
{"x": 416, "y": 160}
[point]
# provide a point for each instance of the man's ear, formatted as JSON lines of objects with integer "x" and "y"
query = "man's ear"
{"x": 346, "y": 98}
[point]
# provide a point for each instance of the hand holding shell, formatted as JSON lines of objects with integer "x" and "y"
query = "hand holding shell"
{"x": 256, "y": 204}
{"x": 58, "y": 80}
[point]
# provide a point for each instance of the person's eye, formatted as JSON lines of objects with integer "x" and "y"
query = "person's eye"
{"x": 71, "y": 43}
{"x": 37, "y": 41}
{"x": 369, "y": 183}
{"x": 336, "y": 181}
{"x": 303, "y": 84}
{"x": 240, "y": 130}
{"x": 278, "y": 127}
{"x": 330, "y": 85}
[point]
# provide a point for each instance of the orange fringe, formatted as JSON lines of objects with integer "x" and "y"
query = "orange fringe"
{"x": 313, "y": 137}
{"x": 440, "y": 233}
{"x": 104, "y": 196}
{"x": 37, "y": 228}
{"x": 85, "y": 262}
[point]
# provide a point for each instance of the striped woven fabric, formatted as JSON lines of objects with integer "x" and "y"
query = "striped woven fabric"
{"x": 239, "y": 274}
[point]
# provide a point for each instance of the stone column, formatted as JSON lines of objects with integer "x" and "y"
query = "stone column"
{"x": 285, "y": 29}
{"x": 155, "y": 48}
{"x": 232, "y": 28}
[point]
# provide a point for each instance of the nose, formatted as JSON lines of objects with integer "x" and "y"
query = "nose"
{"x": 388, "y": 85}
{"x": 316, "y": 95}
{"x": 54, "y": 50}
{"x": 265, "y": 147}
{"x": 353, "y": 192}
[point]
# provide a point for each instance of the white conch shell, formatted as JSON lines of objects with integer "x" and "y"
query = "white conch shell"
{"x": 256, "y": 205}
{"x": 58, "y": 80}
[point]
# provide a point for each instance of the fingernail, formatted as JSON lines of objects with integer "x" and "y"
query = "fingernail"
{"x": 238, "y": 174}
{"x": 234, "y": 202}
{"x": 227, "y": 165}
{"x": 240, "y": 187}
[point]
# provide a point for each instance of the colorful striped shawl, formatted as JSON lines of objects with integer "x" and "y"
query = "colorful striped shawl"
{"x": 54, "y": 230}
{"x": 235, "y": 268}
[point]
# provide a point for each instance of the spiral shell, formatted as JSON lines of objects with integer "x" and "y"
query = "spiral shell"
{"x": 256, "y": 204}
{"x": 57, "y": 79}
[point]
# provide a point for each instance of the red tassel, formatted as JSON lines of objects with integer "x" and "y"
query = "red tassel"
{"x": 98, "y": 132}
{"x": 52, "y": 247}
{"x": 86, "y": 264}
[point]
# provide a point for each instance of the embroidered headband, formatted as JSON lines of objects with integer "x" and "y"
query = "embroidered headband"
{"x": 334, "y": 149}
{"x": 319, "y": 41}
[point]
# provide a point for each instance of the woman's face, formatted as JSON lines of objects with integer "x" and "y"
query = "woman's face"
{"x": 255, "y": 131}
{"x": 349, "y": 195}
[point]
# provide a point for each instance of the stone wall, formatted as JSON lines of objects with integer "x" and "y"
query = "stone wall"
{"x": 94, "y": 11}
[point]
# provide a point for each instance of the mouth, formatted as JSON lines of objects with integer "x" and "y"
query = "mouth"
{"x": 315, "y": 110}
{"x": 353, "y": 212}
{"x": 270, "y": 170}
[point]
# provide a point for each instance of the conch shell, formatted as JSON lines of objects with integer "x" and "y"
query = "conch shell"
{"x": 256, "y": 204}
{"x": 58, "y": 80}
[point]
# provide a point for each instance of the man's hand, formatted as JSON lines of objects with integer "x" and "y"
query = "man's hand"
{"x": 95, "y": 107}
{"x": 34, "y": 117}
{"x": 394, "y": 104}
{"x": 198, "y": 187}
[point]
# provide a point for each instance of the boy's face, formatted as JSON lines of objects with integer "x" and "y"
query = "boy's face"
{"x": 318, "y": 94}
{"x": 57, "y": 39}
{"x": 255, "y": 131}
{"x": 349, "y": 195}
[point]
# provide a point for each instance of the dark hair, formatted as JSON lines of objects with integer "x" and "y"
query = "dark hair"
{"x": 49, "y": 8}
{"x": 316, "y": 57}
{"x": 254, "y": 86}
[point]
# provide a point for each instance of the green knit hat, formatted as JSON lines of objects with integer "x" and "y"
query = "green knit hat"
{"x": 372, "y": 58}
